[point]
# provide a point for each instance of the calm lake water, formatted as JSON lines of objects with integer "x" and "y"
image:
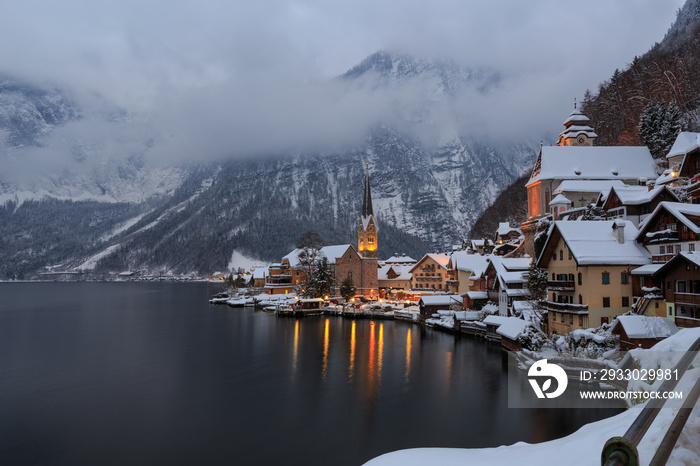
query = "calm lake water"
{"x": 150, "y": 373}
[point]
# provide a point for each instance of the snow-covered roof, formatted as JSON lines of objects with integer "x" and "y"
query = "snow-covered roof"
{"x": 441, "y": 300}
{"x": 403, "y": 271}
{"x": 495, "y": 320}
{"x": 560, "y": 199}
{"x": 595, "y": 243}
{"x": 396, "y": 259}
{"x": 594, "y": 163}
{"x": 679, "y": 210}
{"x": 587, "y": 186}
{"x": 477, "y": 295}
{"x": 329, "y": 252}
{"x": 260, "y": 273}
{"x": 684, "y": 143}
{"x": 648, "y": 269}
{"x": 512, "y": 328}
{"x": 504, "y": 228}
{"x": 511, "y": 270}
{"x": 647, "y": 327}
{"x": 476, "y": 263}
{"x": 441, "y": 259}
{"x": 518, "y": 292}
{"x": 636, "y": 195}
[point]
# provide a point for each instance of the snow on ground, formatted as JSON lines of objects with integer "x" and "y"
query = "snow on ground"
{"x": 92, "y": 262}
{"x": 245, "y": 262}
{"x": 584, "y": 446}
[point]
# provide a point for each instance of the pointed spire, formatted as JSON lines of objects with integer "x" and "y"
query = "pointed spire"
{"x": 367, "y": 201}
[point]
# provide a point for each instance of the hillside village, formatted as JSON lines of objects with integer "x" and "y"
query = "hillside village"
{"x": 610, "y": 233}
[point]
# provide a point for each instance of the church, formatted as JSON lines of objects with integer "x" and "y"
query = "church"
{"x": 360, "y": 265}
{"x": 573, "y": 173}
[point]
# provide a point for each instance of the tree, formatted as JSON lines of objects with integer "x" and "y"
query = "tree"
{"x": 310, "y": 244}
{"x": 659, "y": 126}
{"x": 321, "y": 281}
{"x": 537, "y": 282}
{"x": 347, "y": 288}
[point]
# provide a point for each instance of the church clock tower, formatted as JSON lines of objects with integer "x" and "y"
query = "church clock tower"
{"x": 367, "y": 229}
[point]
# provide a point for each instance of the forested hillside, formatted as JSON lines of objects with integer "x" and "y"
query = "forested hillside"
{"x": 664, "y": 81}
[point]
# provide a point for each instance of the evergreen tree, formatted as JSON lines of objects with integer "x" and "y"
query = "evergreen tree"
{"x": 347, "y": 288}
{"x": 537, "y": 282}
{"x": 659, "y": 126}
{"x": 321, "y": 281}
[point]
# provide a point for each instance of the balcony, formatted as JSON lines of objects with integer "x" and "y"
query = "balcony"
{"x": 661, "y": 258}
{"x": 692, "y": 299}
{"x": 565, "y": 307}
{"x": 561, "y": 285}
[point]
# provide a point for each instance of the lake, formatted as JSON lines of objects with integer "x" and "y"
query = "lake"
{"x": 151, "y": 373}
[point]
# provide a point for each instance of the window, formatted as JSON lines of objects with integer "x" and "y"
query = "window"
{"x": 580, "y": 278}
{"x": 668, "y": 285}
{"x": 580, "y": 321}
{"x": 562, "y": 317}
{"x": 623, "y": 278}
{"x": 662, "y": 249}
{"x": 561, "y": 255}
{"x": 554, "y": 257}
{"x": 691, "y": 247}
{"x": 606, "y": 278}
{"x": 625, "y": 301}
{"x": 606, "y": 301}
{"x": 678, "y": 248}
{"x": 680, "y": 286}
{"x": 571, "y": 277}
{"x": 571, "y": 256}
{"x": 554, "y": 277}
{"x": 571, "y": 319}
{"x": 580, "y": 299}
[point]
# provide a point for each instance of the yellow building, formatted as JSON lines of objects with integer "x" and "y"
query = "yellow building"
{"x": 588, "y": 266}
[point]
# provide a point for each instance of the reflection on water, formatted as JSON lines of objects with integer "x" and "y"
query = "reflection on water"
{"x": 407, "y": 370}
{"x": 151, "y": 373}
{"x": 324, "y": 368}
{"x": 353, "y": 342}
{"x": 297, "y": 328}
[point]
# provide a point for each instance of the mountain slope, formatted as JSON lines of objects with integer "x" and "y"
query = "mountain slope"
{"x": 193, "y": 219}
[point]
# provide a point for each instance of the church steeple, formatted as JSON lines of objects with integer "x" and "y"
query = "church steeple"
{"x": 367, "y": 200}
{"x": 367, "y": 229}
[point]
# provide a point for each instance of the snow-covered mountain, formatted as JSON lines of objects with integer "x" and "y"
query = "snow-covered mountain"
{"x": 125, "y": 213}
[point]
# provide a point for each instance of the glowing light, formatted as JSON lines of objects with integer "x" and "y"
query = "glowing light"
{"x": 353, "y": 341}
{"x": 325, "y": 351}
{"x": 407, "y": 372}
{"x": 296, "y": 346}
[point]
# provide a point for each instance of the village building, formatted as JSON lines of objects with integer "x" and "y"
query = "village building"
{"x": 430, "y": 305}
{"x": 402, "y": 259}
{"x": 581, "y": 193}
{"x": 685, "y": 142}
{"x": 575, "y": 158}
{"x": 479, "y": 246}
{"x": 467, "y": 272}
{"x": 634, "y": 203}
{"x": 588, "y": 264}
{"x": 506, "y": 281}
{"x": 259, "y": 275}
{"x": 680, "y": 283}
{"x": 507, "y": 234}
{"x": 671, "y": 228}
{"x": 690, "y": 170}
{"x": 431, "y": 273}
{"x": 394, "y": 277}
{"x": 641, "y": 331}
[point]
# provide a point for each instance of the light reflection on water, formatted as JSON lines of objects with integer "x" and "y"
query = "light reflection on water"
{"x": 151, "y": 373}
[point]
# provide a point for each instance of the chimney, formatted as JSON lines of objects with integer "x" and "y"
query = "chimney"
{"x": 619, "y": 230}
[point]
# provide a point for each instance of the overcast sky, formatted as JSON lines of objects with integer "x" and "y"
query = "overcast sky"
{"x": 247, "y": 77}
